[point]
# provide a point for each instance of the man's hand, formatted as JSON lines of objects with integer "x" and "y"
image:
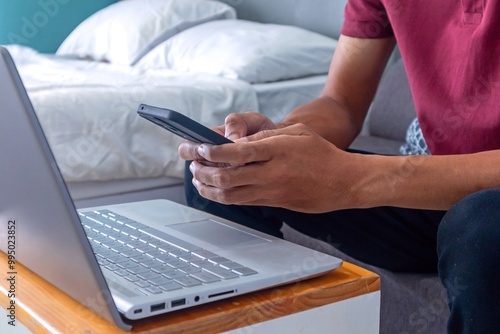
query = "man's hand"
{"x": 292, "y": 167}
{"x": 245, "y": 124}
{"x": 235, "y": 126}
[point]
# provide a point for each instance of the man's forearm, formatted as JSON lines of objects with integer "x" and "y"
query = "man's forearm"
{"x": 328, "y": 118}
{"x": 424, "y": 182}
{"x": 338, "y": 114}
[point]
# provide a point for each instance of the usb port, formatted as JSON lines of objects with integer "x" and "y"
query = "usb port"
{"x": 179, "y": 302}
{"x": 157, "y": 307}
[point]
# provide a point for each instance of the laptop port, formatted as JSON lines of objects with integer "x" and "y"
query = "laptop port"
{"x": 179, "y": 302}
{"x": 157, "y": 307}
{"x": 221, "y": 294}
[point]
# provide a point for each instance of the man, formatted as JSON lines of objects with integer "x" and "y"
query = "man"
{"x": 389, "y": 211}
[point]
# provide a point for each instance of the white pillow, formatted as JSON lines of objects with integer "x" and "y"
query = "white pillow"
{"x": 250, "y": 51}
{"x": 125, "y": 31}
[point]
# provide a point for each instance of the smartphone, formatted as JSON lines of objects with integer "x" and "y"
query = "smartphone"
{"x": 181, "y": 125}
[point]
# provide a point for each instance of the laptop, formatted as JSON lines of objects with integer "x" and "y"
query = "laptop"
{"x": 126, "y": 261}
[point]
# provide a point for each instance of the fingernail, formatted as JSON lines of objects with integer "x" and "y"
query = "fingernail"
{"x": 232, "y": 136}
{"x": 201, "y": 150}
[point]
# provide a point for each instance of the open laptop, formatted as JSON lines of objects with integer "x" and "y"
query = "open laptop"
{"x": 126, "y": 261}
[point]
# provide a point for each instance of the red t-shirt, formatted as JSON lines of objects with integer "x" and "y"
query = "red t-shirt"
{"x": 451, "y": 50}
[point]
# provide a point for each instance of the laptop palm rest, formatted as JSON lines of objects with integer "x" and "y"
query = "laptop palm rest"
{"x": 217, "y": 234}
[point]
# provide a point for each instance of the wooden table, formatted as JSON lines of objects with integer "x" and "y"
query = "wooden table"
{"x": 328, "y": 300}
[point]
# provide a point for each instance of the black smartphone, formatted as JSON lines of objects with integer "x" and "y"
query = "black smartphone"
{"x": 181, "y": 125}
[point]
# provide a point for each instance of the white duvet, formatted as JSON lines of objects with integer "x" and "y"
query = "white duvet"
{"x": 88, "y": 113}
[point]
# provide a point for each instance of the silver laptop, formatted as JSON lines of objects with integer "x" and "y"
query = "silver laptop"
{"x": 126, "y": 261}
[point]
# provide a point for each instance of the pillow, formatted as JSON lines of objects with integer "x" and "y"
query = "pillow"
{"x": 250, "y": 51}
{"x": 122, "y": 33}
{"x": 43, "y": 24}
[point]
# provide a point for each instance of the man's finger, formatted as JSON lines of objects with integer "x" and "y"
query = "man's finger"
{"x": 189, "y": 151}
{"x": 236, "y": 154}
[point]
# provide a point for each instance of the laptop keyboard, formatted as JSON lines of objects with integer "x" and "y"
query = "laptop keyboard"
{"x": 153, "y": 260}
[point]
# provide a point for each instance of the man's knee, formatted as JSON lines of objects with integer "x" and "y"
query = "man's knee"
{"x": 468, "y": 240}
{"x": 469, "y": 255}
{"x": 474, "y": 218}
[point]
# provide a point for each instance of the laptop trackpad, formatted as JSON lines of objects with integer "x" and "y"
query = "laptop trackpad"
{"x": 217, "y": 234}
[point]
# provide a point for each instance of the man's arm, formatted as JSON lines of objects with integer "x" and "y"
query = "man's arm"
{"x": 424, "y": 182}
{"x": 297, "y": 166}
{"x": 338, "y": 114}
{"x": 356, "y": 68}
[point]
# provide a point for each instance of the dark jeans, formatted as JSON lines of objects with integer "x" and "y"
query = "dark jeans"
{"x": 462, "y": 245}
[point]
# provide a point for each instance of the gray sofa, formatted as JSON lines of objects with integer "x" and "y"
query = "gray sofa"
{"x": 410, "y": 303}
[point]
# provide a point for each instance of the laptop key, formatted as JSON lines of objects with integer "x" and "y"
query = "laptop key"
{"x": 170, "y": 239}
{"x": 188, "y": 257}
{"x": 199, "y": 263}
{"x": 149, "y": 263}
{"x": 170, "y": 286}
{"x": 190, "y": 270}
{"x": 244, "y": 271}
{"x": 138, "y": 270}
{"x": 137, "y": 257}
{"x": 230, "y": 265}
{"x": 187, "y": 281}
{"x": 112, "y": 267}
{"x": 178, "y": 252}
{"x": 165, "y": 247}
{"x": 131, "y": 278}
{"x": 174, "y": 274}
{"x": 120, "y": 259}
{"x": 177, "y": 263}
{"x": 218, "y": 260}
{"x": 102, "y": 262}
{"x": 221, "y": 272}
{"x": 154, "y": 290}
{"x": 205, "y": 277}
{"x": 204, "y": 254}
{"x": 160, "y": 281}
{"x": 122, "y": 272}
{"x": 163, "y": 269}
{"x": 142, "y": 284}
{"x": 148, "y": 275}
{"x": 130, "y": 265}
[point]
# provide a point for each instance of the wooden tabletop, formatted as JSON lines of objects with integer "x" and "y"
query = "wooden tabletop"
{"x": 43, "y": 308}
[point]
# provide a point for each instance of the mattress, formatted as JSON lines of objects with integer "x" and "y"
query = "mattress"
{"x": 88, "y": 113}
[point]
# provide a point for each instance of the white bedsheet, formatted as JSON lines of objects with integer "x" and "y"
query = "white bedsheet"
{"x": 88, "y": 113}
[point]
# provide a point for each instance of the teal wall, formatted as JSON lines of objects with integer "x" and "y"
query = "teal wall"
{"x": 43, "y": 24}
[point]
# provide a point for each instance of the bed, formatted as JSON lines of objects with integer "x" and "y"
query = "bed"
{"x": 86, "y": 93}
